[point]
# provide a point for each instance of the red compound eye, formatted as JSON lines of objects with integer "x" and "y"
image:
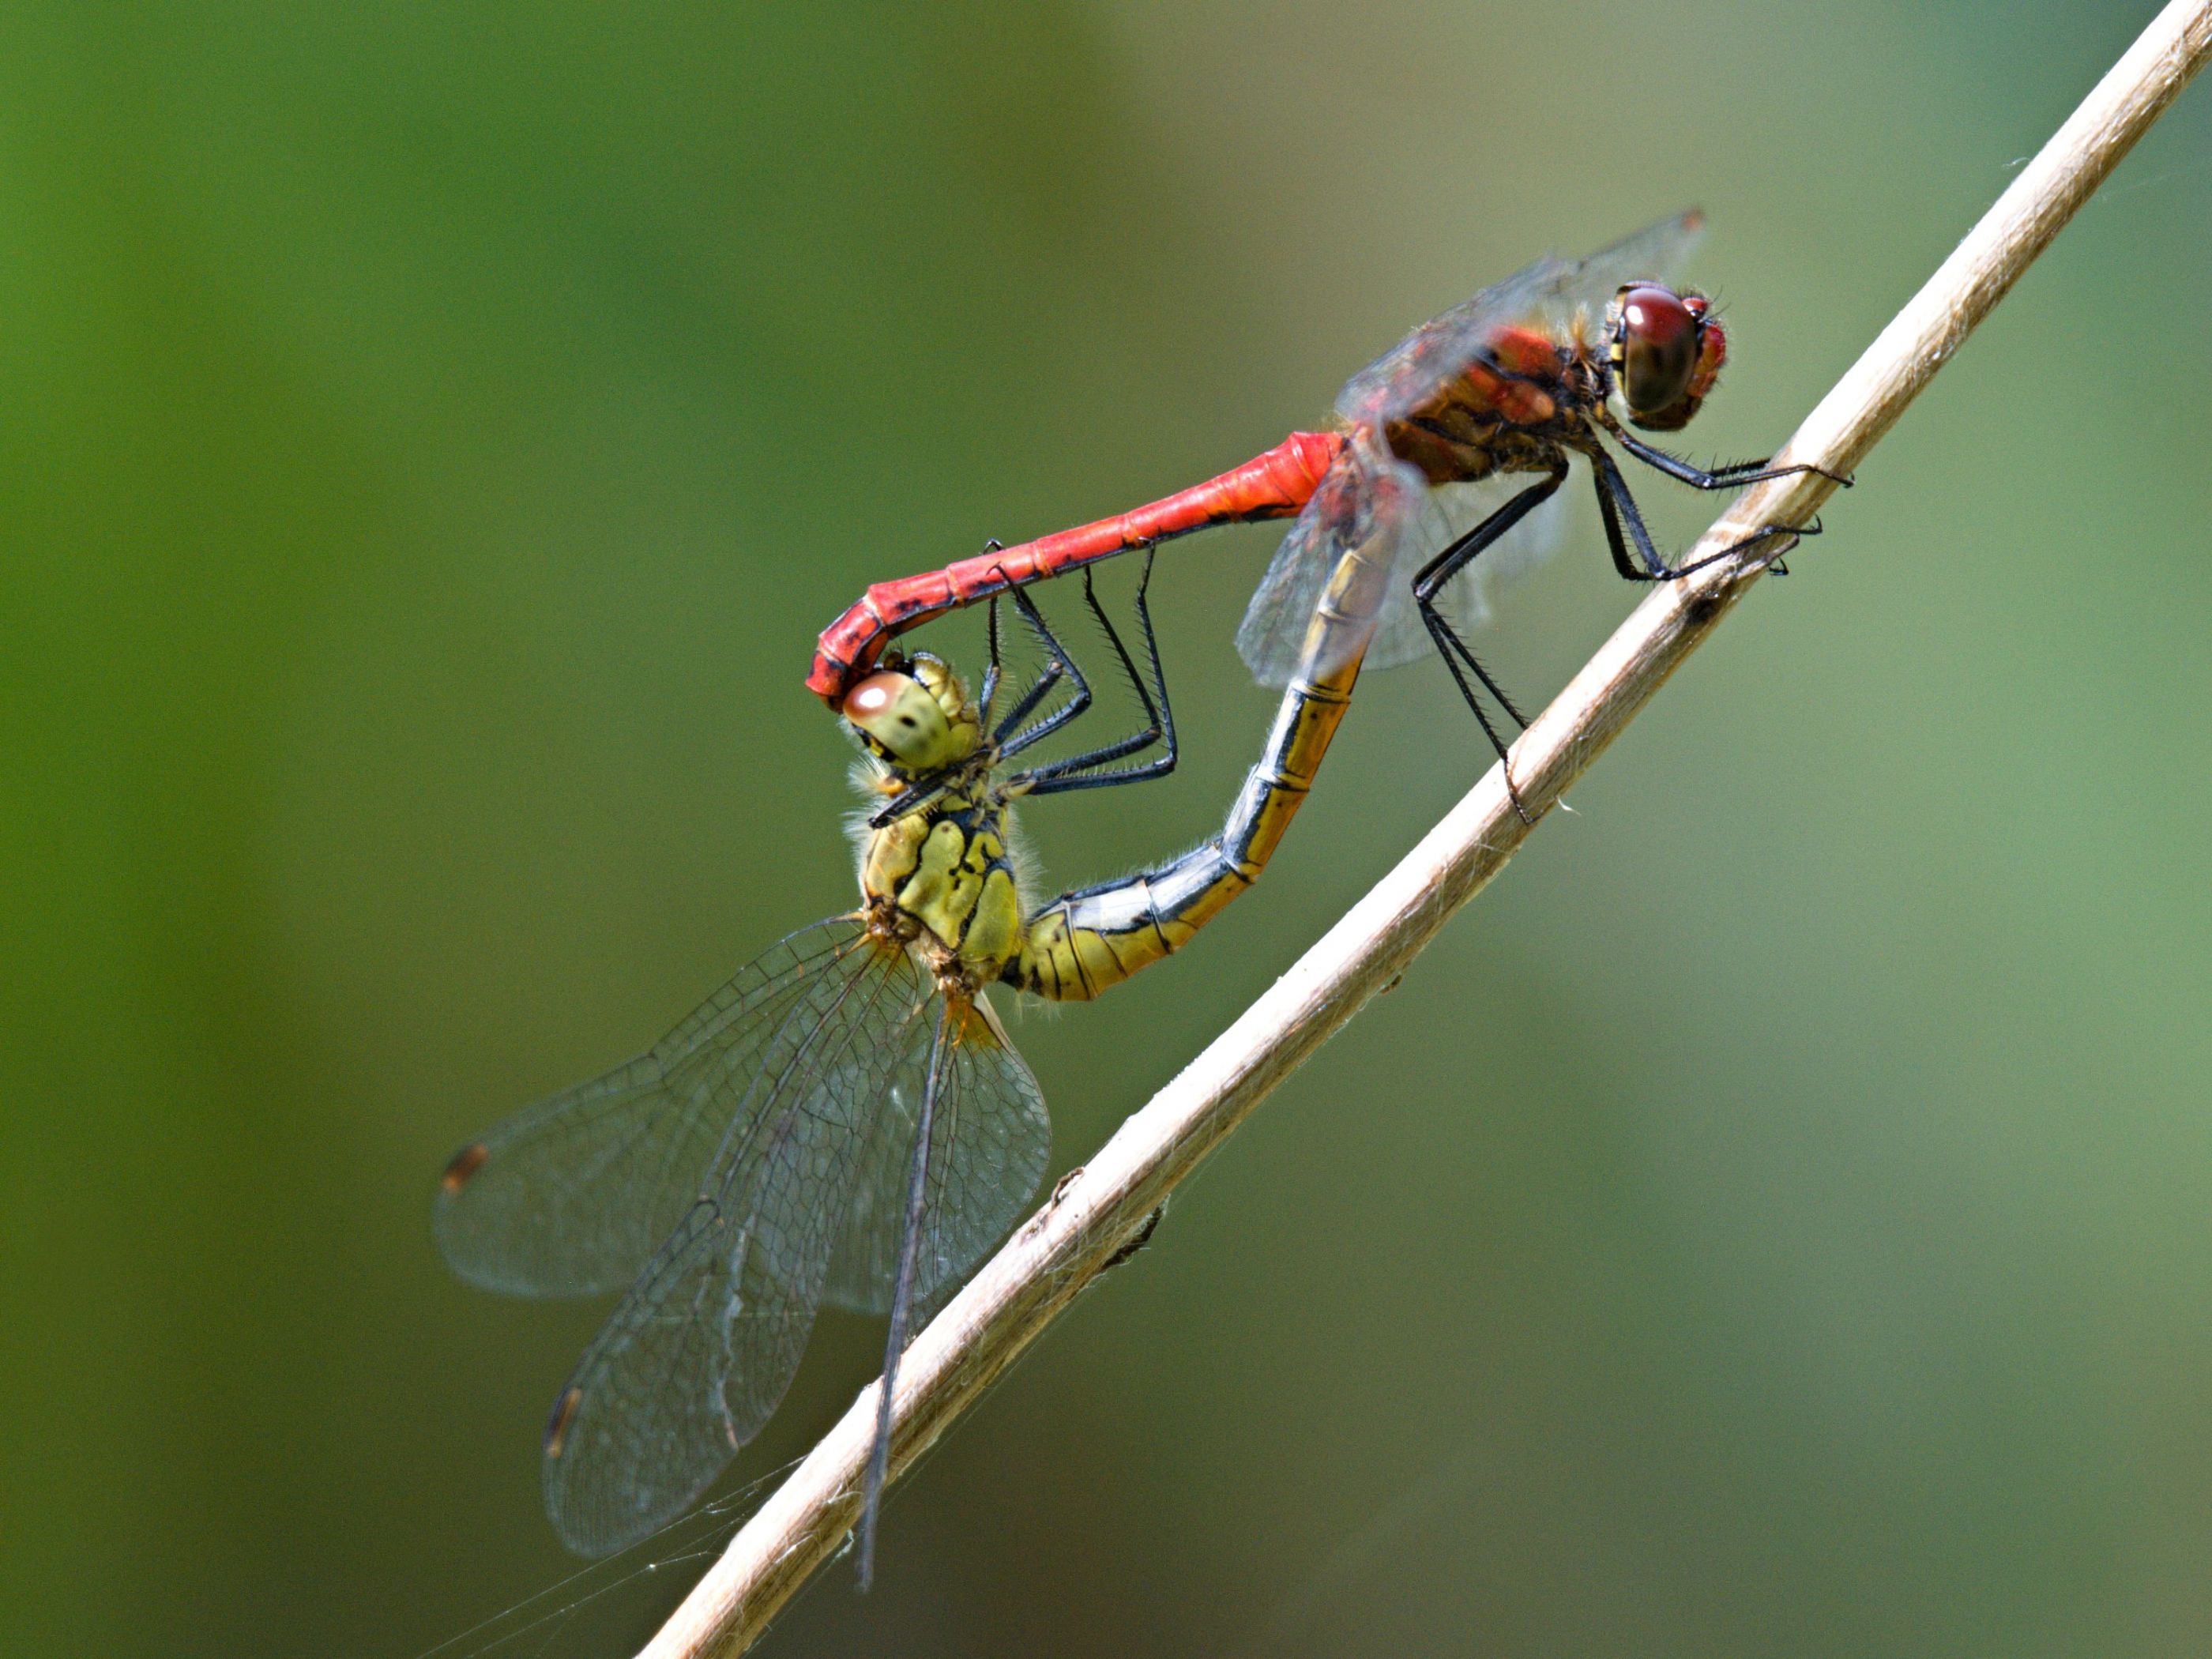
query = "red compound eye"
{"x": 1656, "y": 347}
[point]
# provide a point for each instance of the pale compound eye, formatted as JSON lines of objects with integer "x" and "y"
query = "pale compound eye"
{"x": 906, "y": 722}
{"x": 873, "y": 696}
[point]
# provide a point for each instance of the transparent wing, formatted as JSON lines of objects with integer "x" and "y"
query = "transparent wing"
{"x": 989, "y": 1143}
{"x": 1547, "y": 294}
{"x": 1369, "y": 504}
{"x": 1272, "y": 637}
{"x": 574, "y": 1196}
{"x": 696, "y": 1356}
{"x": 1441, "y": 515}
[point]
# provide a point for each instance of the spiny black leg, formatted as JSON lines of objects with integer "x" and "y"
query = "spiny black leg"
{"x": 1437, "y": 571}
{"x": 1026, "y": 704}
{"x": 1158, "y": 708}
{"x": 1430, "y": 581}
{"x": 1076, "y": 771}
{"x": 991, "y": 673}
{"x": 1053, "y": 673}
{"x": 1060, "y": 663}
{"x": 1623, "y": 565}
{"x": 990, "y": 693}
{"x": 1156, "y": 725}
{"x": 1618, "y": 508}
{"x": 1767, "y": 532}
{"x": 1142, "y": 739}
{"x": 1448, "y": 641}
{"x": 912, "y": 799}
{"x": 1454, "y": 651}
{"x": 1734, "y": 476}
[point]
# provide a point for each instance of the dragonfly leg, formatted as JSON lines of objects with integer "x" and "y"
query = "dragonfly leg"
{"x": 1734, "y": 476}
{"x": 1059, "y": 665}
{"x": 1013, "y": 737}
{"x": 1431, "y": 576}
{"x": 1618, "y": 510}
{"x": 1455, "y": 650}
{"x": 1080, "y": 771}
{"x": 917, "y": 1187}
{"x": 1790, "y": 534}
{"x": 990, "y": 692}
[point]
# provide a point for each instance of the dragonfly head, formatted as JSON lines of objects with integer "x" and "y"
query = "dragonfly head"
{"x": 1666, "y": 349}
{"x": 914, "y": 713}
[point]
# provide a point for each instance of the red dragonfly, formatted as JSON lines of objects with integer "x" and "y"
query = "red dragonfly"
{"x": 1516, "y": 380}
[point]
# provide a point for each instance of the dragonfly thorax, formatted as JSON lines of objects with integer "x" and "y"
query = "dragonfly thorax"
{"x": 938, "y": 876}
{"x": 1517, "y": 407}
{"x": 946, "y": 870}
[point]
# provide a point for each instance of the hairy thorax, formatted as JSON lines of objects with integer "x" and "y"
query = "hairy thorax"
{"x": 1518, "y": 411}
{"x": 945, "y": 871}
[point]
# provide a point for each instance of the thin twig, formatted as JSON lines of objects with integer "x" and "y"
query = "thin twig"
{"x": 1092, "y": 1215}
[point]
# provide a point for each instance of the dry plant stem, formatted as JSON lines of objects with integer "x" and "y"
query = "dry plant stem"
{"x": 1091, "y": 1215}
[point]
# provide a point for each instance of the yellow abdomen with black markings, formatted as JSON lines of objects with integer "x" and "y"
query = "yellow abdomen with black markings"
{"x": 1084, "y": 941}
{"x": 943, "y": 869}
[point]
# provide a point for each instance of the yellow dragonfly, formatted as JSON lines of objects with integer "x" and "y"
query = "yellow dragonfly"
{"x": 846, "y": 1121}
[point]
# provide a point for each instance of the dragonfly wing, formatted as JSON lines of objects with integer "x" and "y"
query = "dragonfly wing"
{"x": 1448, "y": 512}
{"x": 574, "y": 1195}
{"x": 1547, "y": 294}
{"x": 989, "y": 1142}
{"x": 1272, "y": 637}
{"x": 1369, "y": 501}
{"x": 696, "y": 1356}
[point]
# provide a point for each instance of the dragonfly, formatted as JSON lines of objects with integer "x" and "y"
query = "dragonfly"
{"x": 846, "y": 1121}
{"x": 1516, "y": 381}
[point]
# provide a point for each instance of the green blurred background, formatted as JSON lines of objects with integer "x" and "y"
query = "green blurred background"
{"x": 1777, "y": 1218}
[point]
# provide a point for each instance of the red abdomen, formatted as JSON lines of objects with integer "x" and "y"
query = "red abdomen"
{"x": 1274, "y": 486}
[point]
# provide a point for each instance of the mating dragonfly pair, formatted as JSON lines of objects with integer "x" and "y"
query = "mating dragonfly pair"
{"x": 846, "y": 1120}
